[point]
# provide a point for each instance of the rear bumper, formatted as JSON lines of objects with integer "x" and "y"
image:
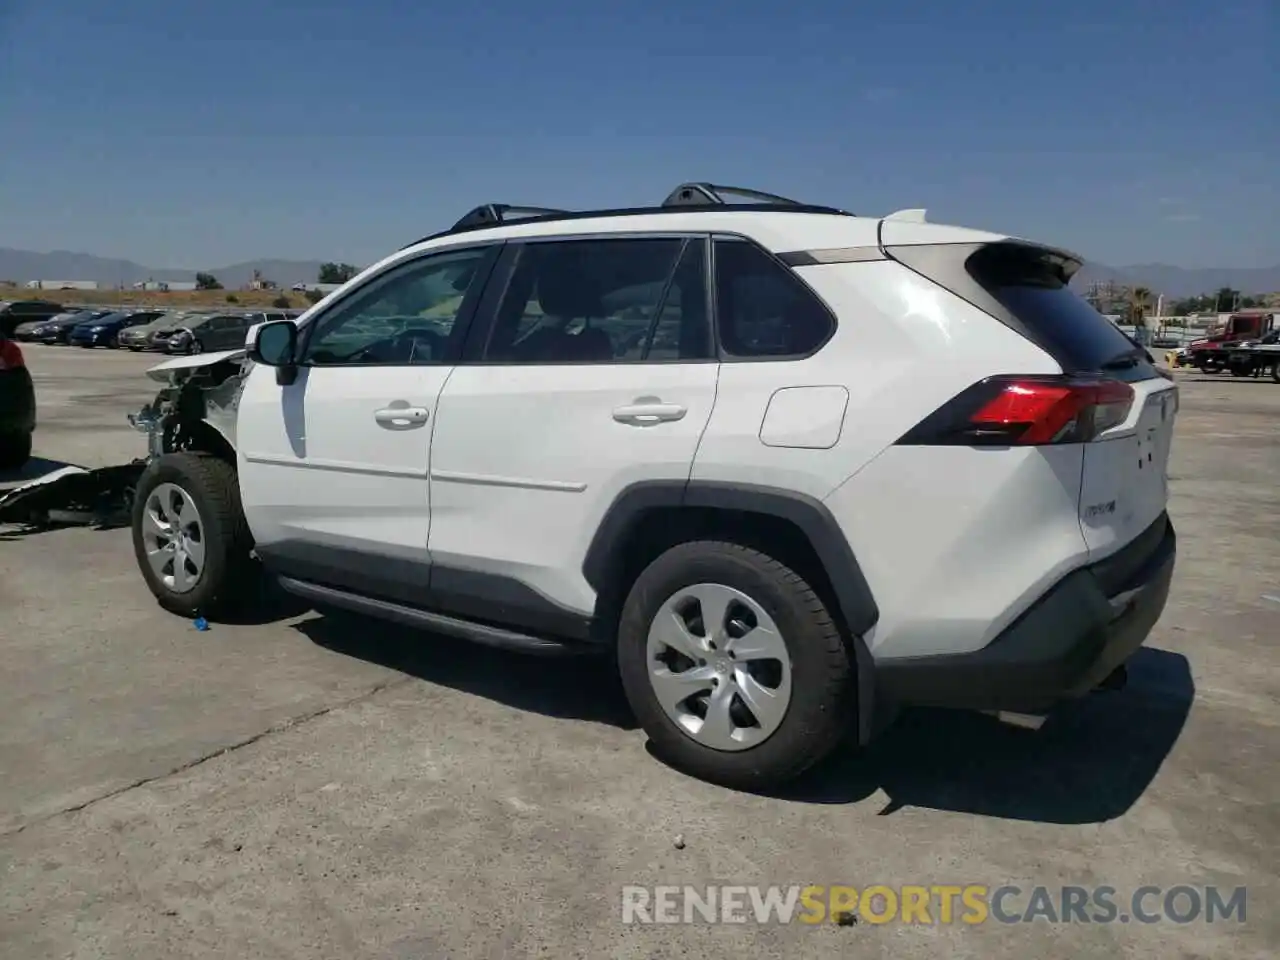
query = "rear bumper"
{"x": 1064, "y": 646}
{"x": 17, "y": 401}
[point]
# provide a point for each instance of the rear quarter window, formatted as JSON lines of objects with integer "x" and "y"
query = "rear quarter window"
{"x": 1027, "y": 289}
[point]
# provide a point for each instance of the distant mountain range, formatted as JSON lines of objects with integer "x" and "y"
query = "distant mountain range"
{"x": 23, "y": 265}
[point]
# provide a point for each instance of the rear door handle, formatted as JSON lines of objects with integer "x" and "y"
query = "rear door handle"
{"x": 648, "y": 413}
{"x": 400, "y": 418}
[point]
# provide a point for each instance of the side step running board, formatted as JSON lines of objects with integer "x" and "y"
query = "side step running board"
{"x": 425, "y": 620}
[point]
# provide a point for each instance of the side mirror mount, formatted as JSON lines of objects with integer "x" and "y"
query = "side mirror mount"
{"x": 275, "y": 344}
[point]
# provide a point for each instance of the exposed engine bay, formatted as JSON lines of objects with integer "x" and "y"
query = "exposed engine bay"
{"x": 194, "y": 410}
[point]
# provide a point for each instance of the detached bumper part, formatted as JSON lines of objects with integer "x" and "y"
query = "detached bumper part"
{"x": 73, "y": 495}
{"x": 1068, "y": 644}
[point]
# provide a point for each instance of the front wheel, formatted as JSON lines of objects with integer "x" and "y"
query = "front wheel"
{"x": 733, "y": 665}
{"x": 196, "y": 347}
{"x": 190, "y": 536}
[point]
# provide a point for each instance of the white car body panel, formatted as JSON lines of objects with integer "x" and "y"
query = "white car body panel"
{"x": 526, "y": 460}
{"x": 163, "y": 371}
{"x": 315, "y": 465}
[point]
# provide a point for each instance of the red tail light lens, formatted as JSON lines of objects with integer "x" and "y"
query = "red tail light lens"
{"x": 1026, "y": 411}
{"x": 10, "y": 355}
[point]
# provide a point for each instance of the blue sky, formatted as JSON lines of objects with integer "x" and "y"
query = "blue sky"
{"x": 197, "y": 135}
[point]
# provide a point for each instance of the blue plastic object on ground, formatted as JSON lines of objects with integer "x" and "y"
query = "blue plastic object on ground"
{"x": 201, "y": 623}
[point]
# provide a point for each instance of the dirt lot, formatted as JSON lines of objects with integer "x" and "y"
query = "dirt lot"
{"x": 303, "y": 787}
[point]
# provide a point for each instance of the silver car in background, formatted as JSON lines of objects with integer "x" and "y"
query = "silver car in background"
{"x": 143, "y": 337}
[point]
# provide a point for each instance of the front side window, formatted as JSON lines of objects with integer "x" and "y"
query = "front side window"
{"x": 625, "y": 300}
{"x": 762, "y": 308}
{"x": 405, "y": 317}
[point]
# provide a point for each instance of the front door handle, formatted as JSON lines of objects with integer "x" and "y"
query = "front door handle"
{"x": 647, "y": 413}
{"x": 403, "y": 417}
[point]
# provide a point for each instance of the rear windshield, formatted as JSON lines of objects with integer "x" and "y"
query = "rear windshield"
{"x": 1030, "y": 284}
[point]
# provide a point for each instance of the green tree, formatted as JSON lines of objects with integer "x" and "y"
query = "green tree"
{"x": 336, "y": 272}
{"x": 207, "y": 281}
{"x": 314, "y": 296}
{"x": 1226, "y": 299}
{"x": 232, "y": 298}
{"x": 282, "y": 302}
{"x": 1139, "y": 304}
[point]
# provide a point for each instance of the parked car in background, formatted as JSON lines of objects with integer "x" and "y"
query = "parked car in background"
{"x": 25, "y": 331}
{"x": 58, "y": 327}
{"x": 17, "y": 406}
{"x": 142, "y": 336}
{"x": 23, "y": 311}
{"x": 103, "y": 331}
{"x": 218, "y": 331}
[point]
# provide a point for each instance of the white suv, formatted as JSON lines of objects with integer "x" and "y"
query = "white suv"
{"x": 786, "y": 463}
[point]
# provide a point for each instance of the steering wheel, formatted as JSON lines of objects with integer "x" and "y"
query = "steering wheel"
{"x": 409, "y": 344}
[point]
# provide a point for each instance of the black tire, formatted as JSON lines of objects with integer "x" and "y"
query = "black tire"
{"x": 230, "y": 573}
{"x": 1275, "y": 372}
{"x": 15, "y": 450}
{"x": 196, "y": 347}
{"x": 823, "y": 698}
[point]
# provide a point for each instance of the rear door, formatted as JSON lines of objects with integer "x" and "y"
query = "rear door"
{"x": 1125, "y": 483}
{"x": 1124, "y": 479}
{"x": 593, "y": 371}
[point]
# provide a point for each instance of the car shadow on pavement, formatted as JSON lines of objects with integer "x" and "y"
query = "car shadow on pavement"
{"x": 1089, "y": 763}
{"x": 579, "y": 688}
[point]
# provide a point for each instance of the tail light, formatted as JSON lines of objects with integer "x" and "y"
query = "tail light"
{"x": 1026, "y": 411}
{"x": 10, "y": 356}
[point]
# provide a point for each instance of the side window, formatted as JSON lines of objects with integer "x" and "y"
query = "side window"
{"x": 604, "y": 301}
{"x": 402, "y": 318}
{"x": 762, "y": 308}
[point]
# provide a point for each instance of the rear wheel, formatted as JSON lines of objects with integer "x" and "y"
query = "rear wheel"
{"x": 1275, "y": 372}
{"x": 15, "y": 450}
{"x": 733, "y": 665}
{"x": 190, "y": 536}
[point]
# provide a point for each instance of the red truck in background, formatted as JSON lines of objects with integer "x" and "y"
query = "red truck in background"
{"x": 1213, "y": 353}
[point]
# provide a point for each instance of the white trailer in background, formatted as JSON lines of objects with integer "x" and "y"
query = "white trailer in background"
{"x": 62, "y": 284}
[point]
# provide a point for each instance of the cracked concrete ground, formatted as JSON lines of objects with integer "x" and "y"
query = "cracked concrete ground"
{"x": 311, "y": 787}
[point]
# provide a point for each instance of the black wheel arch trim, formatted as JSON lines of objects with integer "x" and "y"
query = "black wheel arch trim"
{"x": 603, "y": 558}
{"x": 858, "y": 610}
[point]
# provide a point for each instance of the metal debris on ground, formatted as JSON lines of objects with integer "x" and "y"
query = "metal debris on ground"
{"x": 75, "y": 496}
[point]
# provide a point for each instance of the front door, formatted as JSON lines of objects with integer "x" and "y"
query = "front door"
{"x": 333, "y": 467}
{"x": 597, "y": 372}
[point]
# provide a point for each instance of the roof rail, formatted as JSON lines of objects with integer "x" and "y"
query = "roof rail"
{"x": 686, "y": 195}
{"x": 491, "y": 214}
{"x": 704, "y": 194}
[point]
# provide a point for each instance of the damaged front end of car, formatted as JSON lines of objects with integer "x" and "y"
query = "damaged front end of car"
{"x": 195, "y": 410}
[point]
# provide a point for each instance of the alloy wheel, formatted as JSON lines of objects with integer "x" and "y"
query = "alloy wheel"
{"x": 173, "y": 536}
{"x": 719, "y": 666}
